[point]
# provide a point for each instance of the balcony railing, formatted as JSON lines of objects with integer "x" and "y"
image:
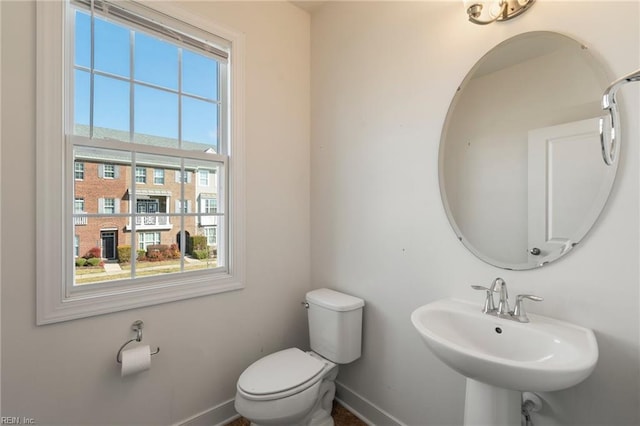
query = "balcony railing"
{"x": 151, "y": 222}
{"x": 80, "y": 220}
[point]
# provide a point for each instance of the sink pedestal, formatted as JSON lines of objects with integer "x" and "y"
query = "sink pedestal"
{"x": 490, "y": 405}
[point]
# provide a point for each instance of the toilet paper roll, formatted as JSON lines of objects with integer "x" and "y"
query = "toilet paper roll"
{"x": 135, "y": 360}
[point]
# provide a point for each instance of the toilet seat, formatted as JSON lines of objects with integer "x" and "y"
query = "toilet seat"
{"x": 280, "y": 374}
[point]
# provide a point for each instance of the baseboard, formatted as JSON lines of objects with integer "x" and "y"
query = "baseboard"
{"x": 219, "y": 415}
{"x": 364, "y": 409}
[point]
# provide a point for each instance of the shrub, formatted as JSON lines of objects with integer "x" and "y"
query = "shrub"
{"x": 94, "y": 252}
{"x": 156, "y": 252}
{"x": 175, "y": 251}
{"x": 198, "y": 242}
{"x": 156, "y": 247}
{"x": 124, "y": 254}
{"x": 141, "y": 255}
{"x": 94, "y": 261}
{"x": 81, "y": 261}
{"x": 200, "y": 254}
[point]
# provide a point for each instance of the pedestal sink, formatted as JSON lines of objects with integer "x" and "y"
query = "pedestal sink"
{"x": 501, "y": 357}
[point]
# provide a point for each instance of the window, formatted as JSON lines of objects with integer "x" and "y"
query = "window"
{"x": 108, "y": 206}
{"x": 145, "y": 87}
{"x": 78, "y": 205}
{"x": 183, "y": 176}
{"x": 209, "y": 205}
{"x": 146, "y": 239}
{"x": 183, "y": 207}
{"x": 108, "y": 171}
{"x": 141, "y": 175}
{"x": 76, "y": 245}
{"x": 158, "y": 176}
{"x": 211, "y": 233}
{"x": 79, "y": 170}
{"x": 203, "y": 177}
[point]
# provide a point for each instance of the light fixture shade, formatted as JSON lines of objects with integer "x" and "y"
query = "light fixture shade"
{"x": 484, "y": 12}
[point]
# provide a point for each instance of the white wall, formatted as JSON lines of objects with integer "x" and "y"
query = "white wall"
{"x": 383, "y": 74}
{"x": 66, "y": 373}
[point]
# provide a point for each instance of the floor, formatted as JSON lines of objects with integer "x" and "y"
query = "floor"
{"x": 341, "y": 417}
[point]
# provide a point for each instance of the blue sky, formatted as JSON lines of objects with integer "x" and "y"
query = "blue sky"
{"x": 155, "y": 62}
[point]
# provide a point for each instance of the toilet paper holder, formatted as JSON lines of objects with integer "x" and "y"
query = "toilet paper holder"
{"x": 137, "y": 327}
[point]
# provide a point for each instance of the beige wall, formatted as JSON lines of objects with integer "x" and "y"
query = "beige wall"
{"x": 382, "y": 78}
{"x": 66, "y": 373}
{"x": 383, "y": 74}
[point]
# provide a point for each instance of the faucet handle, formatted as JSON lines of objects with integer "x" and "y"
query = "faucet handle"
{"x": 519, "y": 312}
{"x": 489, "y": 304}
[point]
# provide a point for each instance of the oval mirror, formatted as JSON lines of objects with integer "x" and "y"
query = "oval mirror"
{"x": 521, "y": 171}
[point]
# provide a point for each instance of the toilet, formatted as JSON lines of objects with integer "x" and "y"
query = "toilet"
{"x": 293, "y": 387}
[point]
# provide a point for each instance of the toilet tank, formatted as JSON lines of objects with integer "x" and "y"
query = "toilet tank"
{"x": 335, "y": 325}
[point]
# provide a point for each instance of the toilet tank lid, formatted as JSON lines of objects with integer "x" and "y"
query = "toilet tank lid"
{"x": 334, "y": 300}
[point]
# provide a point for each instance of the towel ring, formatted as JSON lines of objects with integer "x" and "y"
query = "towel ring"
{"x": 612, "y": 125}
{"x": 137, "y": 327}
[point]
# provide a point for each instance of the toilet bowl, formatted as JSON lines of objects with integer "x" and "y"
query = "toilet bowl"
{"x": 293, "y": 387}
{"x": 289, "y": 387}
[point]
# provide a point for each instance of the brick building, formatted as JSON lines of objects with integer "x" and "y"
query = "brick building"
{"x": 103, "y": 187}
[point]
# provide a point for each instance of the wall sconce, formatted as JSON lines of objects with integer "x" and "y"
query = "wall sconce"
{"x": 483, "y": 12}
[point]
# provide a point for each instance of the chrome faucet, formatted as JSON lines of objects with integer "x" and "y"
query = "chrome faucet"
{"x": 500, "y": 286}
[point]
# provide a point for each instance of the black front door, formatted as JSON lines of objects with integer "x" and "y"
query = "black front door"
{"x": 109, "y": 244}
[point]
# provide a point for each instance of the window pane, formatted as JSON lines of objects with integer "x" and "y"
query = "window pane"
{"x": 111, "y": 108}
{"x": 82, "y": 39}
{"x": 81, "y": 102}
{"x": 156, "y": 61}
{"x": 111, "y": 50}
{"x": 199, "y": 75}
{"x": 199, "y": 125}
{"x": 156, "y": 117}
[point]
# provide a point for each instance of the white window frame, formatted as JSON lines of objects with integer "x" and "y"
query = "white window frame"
{"x": 211, "y": 232}
{"x": 158, "y": 178}
{"x": 142, "y": 239}
{"x": 203, "y": 175}
{"x": 78, "y": 170}
{"x": 207, "y": 205}
{"x": 54, "y": 193}
{"x": 141, "y": 174}
{"x": 78, "y": 205}
{"x": 108, "y": 171}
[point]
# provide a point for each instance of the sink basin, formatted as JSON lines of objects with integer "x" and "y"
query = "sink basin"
{"x": 542, "y": 355}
